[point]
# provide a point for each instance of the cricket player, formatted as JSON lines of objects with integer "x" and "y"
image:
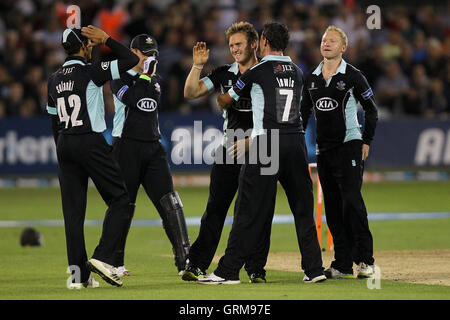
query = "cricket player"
{"x": 275, "y": 85}
{"x": 138, "y": 149}
{"x": 243, "y": 42}
{"x": 333, "y": 91}
{"x": 75, "y": 103}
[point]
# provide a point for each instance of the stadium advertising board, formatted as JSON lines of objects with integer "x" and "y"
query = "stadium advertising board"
{"x": 27, "y": 147}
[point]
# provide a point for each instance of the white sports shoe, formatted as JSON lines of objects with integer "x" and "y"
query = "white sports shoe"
{"x": 122, "y": 271}
{"x": 91, "y": 283}
{"x": 364, "y": 270}
{"x": 106, "y": 271}
{"x": 320, "y": 278}
{"x": 332, "y": 273}
{"x": 213, "y": 279}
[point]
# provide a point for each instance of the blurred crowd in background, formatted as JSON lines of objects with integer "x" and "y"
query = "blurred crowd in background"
{"x": 407, "y": 61}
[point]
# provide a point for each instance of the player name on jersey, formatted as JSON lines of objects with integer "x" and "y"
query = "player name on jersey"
{"x": 285, "y": 82}
{"x": 65, "y": 86}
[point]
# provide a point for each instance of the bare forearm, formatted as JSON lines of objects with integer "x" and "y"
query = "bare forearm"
{"x": 193, "y": 87}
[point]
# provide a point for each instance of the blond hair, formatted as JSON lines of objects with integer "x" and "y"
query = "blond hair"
{"x": 242, "y": 27}
{"x": 341, "y": 33}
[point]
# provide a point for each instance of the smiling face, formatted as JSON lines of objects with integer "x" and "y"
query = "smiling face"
{"x": 332, "y": 45}
{"x": 240, "y": 49}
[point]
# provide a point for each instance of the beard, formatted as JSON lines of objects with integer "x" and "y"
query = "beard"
{"x": 246, "y": 55}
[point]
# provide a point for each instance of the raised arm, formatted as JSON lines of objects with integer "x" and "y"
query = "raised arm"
{"x": 126, "y": 59}
{"x": 194, "y": 87}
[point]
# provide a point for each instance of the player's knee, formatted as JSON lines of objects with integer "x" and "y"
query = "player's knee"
{"x": 122, "y": 202}
{"x": 352, "y": 197}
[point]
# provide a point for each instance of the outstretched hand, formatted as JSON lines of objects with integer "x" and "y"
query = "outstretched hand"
{"x": 200, "y": 54}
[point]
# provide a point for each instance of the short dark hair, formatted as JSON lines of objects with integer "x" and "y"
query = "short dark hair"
{"x": 277, "y": 34}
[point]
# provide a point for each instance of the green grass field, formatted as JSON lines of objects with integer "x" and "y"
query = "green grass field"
{"x": 39, "y": 273}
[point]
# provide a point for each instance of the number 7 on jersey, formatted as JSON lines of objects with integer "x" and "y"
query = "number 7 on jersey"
{"x": 287, "y": 106}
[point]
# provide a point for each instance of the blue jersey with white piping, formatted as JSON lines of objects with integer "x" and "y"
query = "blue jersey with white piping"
{"x": 75, "y": 95}
{"x": 136, "y": 104}
{"x": 239, "y": 114}
{"x": 275, "y": 89}
{"x": 335, "y": 105}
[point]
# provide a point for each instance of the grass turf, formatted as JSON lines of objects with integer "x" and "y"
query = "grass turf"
{"x": 45, "y": 203}
{"x": 39, "y": 273}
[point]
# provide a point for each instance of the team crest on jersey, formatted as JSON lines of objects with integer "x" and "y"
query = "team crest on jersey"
{"x": 105, "y": 65}
{"x": 340, "y": 85}
{"x": 157, "y": 87}
{"x": 149, "y": 40}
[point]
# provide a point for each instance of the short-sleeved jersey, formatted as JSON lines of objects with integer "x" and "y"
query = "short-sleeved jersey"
{"x": 239, "y": 114}
{"x": 136, "y": 107}
{"x": 275, "y": 89}
{"x": 335, "y": 106}
{"x": 75, "y": 95}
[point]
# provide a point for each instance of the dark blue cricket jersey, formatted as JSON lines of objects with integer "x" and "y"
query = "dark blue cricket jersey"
{"x": 335, "y": 106}
{"x": 75, "y": 95}
{"x": 275, "y": 89}
{"x": 239, "y": 114}
{"x": 136, "y": 103}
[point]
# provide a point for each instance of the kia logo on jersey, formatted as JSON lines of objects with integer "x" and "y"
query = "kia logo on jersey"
{"x": 147, "y": 104}
{"x": 326, "y": 104}
{"x": 243, "y": 105}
